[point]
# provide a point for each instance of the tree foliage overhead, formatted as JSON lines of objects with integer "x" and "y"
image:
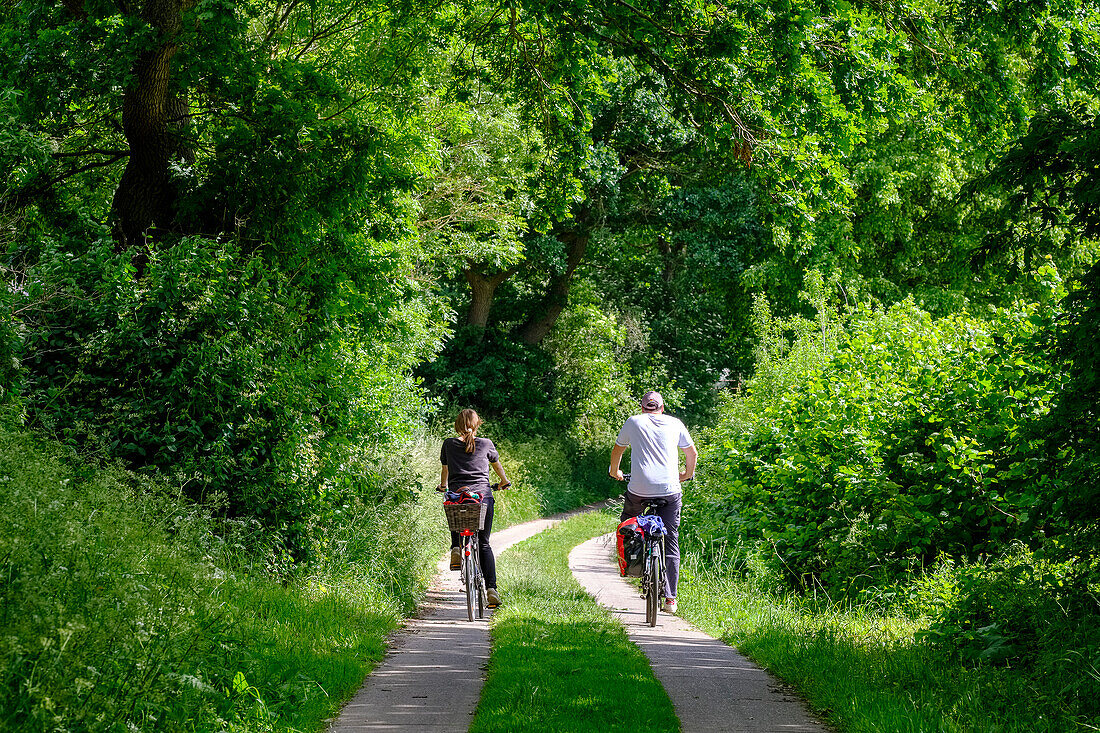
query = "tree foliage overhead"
{"x": 274, "y": 215}
{"x": 211, "y": 220}
{"x": 862, "y": 131}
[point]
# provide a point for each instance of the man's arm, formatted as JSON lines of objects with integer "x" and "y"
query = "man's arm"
{"x": 690, "y": 457}
{"x": 616, "y": 458}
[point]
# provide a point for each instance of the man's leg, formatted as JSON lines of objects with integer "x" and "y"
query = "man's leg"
{"x": 670, "y": 515}
{"x": 632, "y": 507}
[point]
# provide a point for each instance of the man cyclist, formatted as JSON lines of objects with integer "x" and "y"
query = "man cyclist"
{"x": 654, "y": 438}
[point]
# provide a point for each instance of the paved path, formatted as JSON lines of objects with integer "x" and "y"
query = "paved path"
{"x": 712, "y": 686}
{"x": 432, "y": 675}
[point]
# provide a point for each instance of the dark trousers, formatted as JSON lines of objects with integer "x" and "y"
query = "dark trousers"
{"x": 485, "y": 552}
{"x": 670, "y": 515}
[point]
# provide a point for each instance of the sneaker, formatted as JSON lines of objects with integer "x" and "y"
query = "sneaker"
{"x": 670, "y": 605}
{"x": 456, "y": 558}
{"x": 492, "y": 598}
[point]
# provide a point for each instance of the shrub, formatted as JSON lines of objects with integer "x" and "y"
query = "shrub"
{"x": 498, "y": 375}
{"x": 910, "y": 443}
{"x": 268, "y": 393}
{"x": 592, "y": 385}
{"x": 1017, "y": 610}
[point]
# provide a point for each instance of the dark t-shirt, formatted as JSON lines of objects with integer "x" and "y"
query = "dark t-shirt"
{"x": 468, "y": 469}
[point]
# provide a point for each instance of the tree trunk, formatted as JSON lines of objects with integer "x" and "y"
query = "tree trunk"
{"x": 482, "y": 288}
{"x": 152, "y": 115}
{"x": 546, "y": 315}
{"x": 671, "y": 256}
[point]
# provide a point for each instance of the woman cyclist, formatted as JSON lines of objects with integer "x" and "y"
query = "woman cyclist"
{"x": 466, "y": 461}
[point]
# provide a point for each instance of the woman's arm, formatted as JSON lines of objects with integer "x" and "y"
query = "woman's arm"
{"x": 500, "y": 472}
{"x": 442, "y": 479}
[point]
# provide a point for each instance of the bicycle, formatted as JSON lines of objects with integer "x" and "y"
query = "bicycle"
{"x": 653, "y": 561}
{"x": 467, "y": 520}
{"x": 653, "y": 570}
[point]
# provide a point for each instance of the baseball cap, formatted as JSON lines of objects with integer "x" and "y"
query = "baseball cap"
{"x": 651, "y": 401}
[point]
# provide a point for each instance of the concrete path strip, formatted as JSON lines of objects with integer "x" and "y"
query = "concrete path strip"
{"x": 432, "y": 675}
{"x": 713, "y": 687}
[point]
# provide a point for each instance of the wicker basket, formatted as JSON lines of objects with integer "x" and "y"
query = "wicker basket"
{"x": 466, "y": 516}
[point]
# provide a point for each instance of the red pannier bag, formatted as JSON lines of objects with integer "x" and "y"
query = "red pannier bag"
{"x": 630, "y": 541}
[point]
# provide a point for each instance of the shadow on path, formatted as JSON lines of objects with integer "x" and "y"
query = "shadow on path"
{"x": 712, "y": 686}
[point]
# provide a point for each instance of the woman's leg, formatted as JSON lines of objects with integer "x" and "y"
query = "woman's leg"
{"x": 488, "y": 562}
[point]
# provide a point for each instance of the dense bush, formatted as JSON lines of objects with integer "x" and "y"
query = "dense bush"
{"x": 999, "y": 610}
{"x": 270, "y": 394}
{"x": 125, "y": 607}
{"x": 497, "y": 374}
{"x": 578, "y": 383}
{"x": 911, "y": 442}
{"x": 10, "y": 348}
{"x": 902, "y": 465}
{"x": 1071, "y": 429}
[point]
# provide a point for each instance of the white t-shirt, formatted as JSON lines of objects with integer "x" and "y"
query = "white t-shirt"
{"x": 654, "y": 438}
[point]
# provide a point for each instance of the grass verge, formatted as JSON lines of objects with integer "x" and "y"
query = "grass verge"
{"x": 123, "y": 608}
{"x": 864, "y": 670}
{"x": 560, "y": 661}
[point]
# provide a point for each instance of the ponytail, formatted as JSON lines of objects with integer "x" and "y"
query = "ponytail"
{"x": 466, "y": 425}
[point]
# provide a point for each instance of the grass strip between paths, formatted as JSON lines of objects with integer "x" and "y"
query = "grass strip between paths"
{"x": 560, "y": 661}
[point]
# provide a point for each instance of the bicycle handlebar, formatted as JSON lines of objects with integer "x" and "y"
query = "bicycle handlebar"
{"x": 494, "y": 487}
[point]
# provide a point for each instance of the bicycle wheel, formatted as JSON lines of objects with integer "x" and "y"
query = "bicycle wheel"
{"x": 468, "y": 561}
{"x": 479, "y": 581}
{"x": 482, "y": 599}
{"x": 653, "y": 587}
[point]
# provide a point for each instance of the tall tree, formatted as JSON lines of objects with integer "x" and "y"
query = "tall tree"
{"x": 154, "y": 109}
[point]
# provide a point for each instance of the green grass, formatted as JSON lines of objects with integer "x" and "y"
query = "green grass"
{"x": 560, "y": 662}
{"x": 865, "y": 671}
{"x": 124, "y": 608}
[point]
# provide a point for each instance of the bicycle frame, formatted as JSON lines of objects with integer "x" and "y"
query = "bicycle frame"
{"x": 472, "y": 579}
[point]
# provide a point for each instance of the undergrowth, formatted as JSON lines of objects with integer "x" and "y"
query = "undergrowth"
{"x": 125, "y": 607}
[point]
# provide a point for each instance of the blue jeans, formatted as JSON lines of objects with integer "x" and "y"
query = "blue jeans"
{"x": 670, "y": 515}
